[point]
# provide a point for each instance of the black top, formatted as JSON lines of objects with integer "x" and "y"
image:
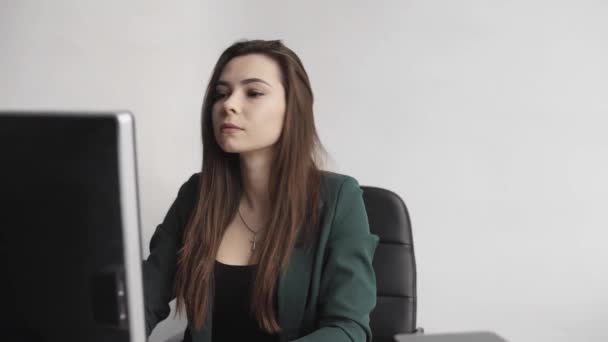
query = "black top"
{"x": 232, "y": 320}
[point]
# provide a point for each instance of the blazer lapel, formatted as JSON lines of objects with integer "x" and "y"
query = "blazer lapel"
{"x": 292, "y": 292}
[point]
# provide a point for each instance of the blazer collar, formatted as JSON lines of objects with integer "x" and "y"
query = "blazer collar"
{"x": 293, "y": 287}
{"x": 292, "y": 292}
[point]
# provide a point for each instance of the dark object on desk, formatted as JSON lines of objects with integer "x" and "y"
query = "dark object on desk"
{"x": 394, "y": 264}
{"x": 69, "y": 242}
{"x": 478, "y": 336}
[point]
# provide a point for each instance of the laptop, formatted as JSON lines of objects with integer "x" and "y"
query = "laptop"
{"x": 70, "y": 238}
{"x": 477, "y": 336}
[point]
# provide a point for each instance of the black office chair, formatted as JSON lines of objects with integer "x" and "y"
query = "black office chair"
{"x": 394, "y": 264}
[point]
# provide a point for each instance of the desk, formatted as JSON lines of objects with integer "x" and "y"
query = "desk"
{"x": 477, "y": 336}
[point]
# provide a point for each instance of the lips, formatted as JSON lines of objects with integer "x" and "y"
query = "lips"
{"x": 229, "y": 125}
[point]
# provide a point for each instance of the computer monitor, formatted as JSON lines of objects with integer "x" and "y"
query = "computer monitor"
{"x": 70, "y": 255}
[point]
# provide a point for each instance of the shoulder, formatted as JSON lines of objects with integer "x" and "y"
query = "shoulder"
{"x": 187, "y": 195}
{"x": 345, "y": 211}
{"x": 336, "y": 188}
{"x": 335, "y": 185}
{"x": 343, "y": 201}
{"x": 332, "y": 184}
{"x": 193, "y": 181}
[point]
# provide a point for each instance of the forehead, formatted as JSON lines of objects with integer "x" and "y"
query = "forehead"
{"x": 251, "y": 66}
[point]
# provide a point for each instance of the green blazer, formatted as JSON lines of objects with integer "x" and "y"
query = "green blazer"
{"x": 327, "y": 292}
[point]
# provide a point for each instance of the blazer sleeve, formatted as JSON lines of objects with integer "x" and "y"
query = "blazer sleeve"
{"x": 160, "y": 266}
{"x": 348, "y": 285}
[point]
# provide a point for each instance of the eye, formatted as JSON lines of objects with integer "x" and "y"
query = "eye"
{"x": 217, "y": 96}
{"x": 255, "y": 94}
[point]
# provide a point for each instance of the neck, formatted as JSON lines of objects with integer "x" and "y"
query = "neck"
{"x": 255, "y": 172}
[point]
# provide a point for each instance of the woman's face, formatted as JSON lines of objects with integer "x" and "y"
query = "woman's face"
{"x": 250, "y": 95}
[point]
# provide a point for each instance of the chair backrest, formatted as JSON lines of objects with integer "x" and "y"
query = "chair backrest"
{"x": 394, "y": 264}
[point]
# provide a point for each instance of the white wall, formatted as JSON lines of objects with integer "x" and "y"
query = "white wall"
{"x": 487, "y": 117}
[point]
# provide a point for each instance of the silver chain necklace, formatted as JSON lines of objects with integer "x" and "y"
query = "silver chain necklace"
{"x": 255, "y": 233}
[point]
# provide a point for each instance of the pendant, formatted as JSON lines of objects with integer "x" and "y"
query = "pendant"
{"x": 253, "y": 244}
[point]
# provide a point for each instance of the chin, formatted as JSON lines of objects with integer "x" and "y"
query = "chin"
{"x": 230, "y": 149}
{"x": 227, "y": 146}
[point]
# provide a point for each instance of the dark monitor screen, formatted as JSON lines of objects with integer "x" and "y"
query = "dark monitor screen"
{"x": 61, "y": 236}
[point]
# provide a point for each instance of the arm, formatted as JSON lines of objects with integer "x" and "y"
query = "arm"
{"x": 348, "y": 285}
{"x": 160, "y": 266}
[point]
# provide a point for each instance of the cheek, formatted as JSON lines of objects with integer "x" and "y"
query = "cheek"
{"x": 214, "y": 117}
{"x": 276, "y": 116}
{"x": 265, "y": 126}
{"x": 275, "y": 124}
{"x": 215, "y": 122}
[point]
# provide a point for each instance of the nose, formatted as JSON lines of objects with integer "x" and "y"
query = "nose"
{"x": 230, "y": 104}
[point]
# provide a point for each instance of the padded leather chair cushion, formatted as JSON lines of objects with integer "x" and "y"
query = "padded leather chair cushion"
{"x": 394, "y": 264}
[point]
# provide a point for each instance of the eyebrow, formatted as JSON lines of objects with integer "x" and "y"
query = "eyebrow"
{"x": 245, "y": 81}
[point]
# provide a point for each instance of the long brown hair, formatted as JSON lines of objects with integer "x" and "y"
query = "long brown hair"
{"x": 294, "y": 192}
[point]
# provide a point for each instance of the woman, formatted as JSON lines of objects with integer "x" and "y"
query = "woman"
{"x": 262, "y": 245}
